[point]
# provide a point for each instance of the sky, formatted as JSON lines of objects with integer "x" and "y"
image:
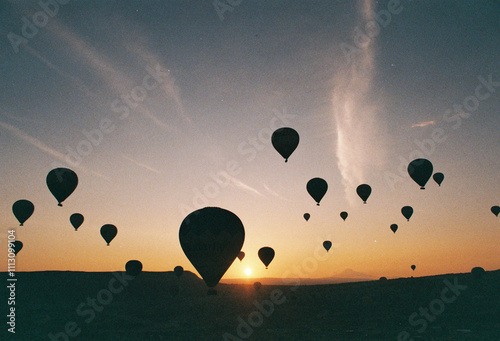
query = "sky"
{"x": 162, "y": 108}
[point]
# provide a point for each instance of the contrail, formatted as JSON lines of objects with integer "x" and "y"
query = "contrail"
{"x": 359, "y": 144}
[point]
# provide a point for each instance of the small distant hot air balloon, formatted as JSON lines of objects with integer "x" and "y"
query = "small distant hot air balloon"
{"x": 61, "y": 183}
{"x": 327, "y": 245}
{"x": 495, "y": 210}
{"x": 317, "y": 188}
{"x": 23, "y": 209}
{"x": 266, "y": 255}
{"x": 178, "y": 270}
{"x": 285, "y": 141}
{"x": 108, "y": 232}
{"x": 477, "y": 272}
{"x": 364, "y": 192}
{"x": 241, "y": 255}
{"x": 438, "y": 177}
{"x": 211, "y": 239}
{"x": 394, "y": 228}
{"x": 420, "y": 170}
{"x": 18, "y": 245}
{"x": 413, "y": 267}
{"x": 307, "y": 216}
{"x": 76, "y": 220}
{"x": 257, "y": 286}
{"x": 407, "y": 212}
{"x": 133, "y": 267}
{"x": 343, "y": 215}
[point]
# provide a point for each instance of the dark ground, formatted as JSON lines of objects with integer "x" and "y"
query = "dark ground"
{"x": 160, "y": 306}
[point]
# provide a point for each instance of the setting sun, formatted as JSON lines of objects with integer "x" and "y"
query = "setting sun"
{"x": 248, "y": 271}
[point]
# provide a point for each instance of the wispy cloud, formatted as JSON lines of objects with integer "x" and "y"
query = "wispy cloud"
{"x": 140, "y": 164}
{"x": 274, "y": 193}
{"x": 423, "y": 124}
{"x": 240, "y": 184}
{"x": 46, "y": 149}
{"x": 359, "y": 146}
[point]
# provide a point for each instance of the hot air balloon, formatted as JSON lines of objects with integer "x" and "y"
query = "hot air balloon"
{"x": 394, "y": 228}
{"x": 76, "y": 220}
{"x": 420, "y": 170}
{"x": 327, "y": 245}
{"x": 257, "y": 286}
{"x": 266, "y": 255}
{"x": 61, "y": 182}
{"x": 178, "y": 270}
{"x": 241, "y": 255}
{"x": 438, "y": 177}
{"x": 211, "y": 239}
{"x": 477, "y": 272}
{"x": 108, "y": 232}
{"x": 317, "y": 188}
{"x": 413, "y": 267}
{"x": 133, "y": 267}
{"x": 18, "y": 245}
{"x": 343, "y": 215}
{"x": 23, "y": 209}
{"x": 364, "y": 192}
{"x": 285, "y": 141}
{"x": 307, "y": 216}
{"x": 407, "y": 212}
{"x": 495, "y": 210}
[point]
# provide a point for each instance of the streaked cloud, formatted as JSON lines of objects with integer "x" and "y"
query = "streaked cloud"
{"x": 423, "y": 124}
{"x": 140, "y": 164}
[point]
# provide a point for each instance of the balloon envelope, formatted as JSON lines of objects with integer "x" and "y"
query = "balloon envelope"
{"x": 266, "y": 255}
{"x": 407, "y": 212}
{"x": 178, "y": 270}
{"x": 364, "y": 192}
{"x": 108, "y": 232}
{"x": 61, "y": 183}
{"x": 317, "y": 188}
{"x": 18, "y": 245}
{"x": 394, "y": 228}
{"x": 133, "y": 267}
{"x": 343, "y": 215}
{"x": 327, "y": 245}
{"x": 285, "y": 141}
{"x": 76, "y": 220}
{"x": 413, "y": 267}
{"x": 495, "y": 210}
{"x": 23, "y": 209}
{"x": 438, "y": 177}
{"x": 241, "y": 255}
{"x": 307, "y": 216}
{"x": 211, "y": 239}
{"x": 420, "y": 170}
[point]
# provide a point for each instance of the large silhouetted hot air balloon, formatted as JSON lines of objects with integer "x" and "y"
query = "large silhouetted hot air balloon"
{"x": 327, "y": 245}
{"x": 23, "y": 209}
{"x": 420, "y": 170}
{"x": 108, "y": 232}
{"x": 241, "y": 255}
{"x": 178, "y": 270}
{"x": 413, "y": 267}
{"x": 76, "y": 220}
{"x": 407, "y": 212}
{"x": 266, "y": 255}
{"x": 61, "y": 182}
{"x": 317, "y": 188}
{"x": 343, "y": 215}
{"x": 307, "y": 216}
{"x": 495, "y": 210}
{"x": 18, "y": 245}
{"x": 211, "y": 239}
{"x": 438, "y": 177}
{"x": 394, "y": 228}
{"x": 133, "y": 267}
{"x": 285, "y": 141}
{"x": 364, "y": 192}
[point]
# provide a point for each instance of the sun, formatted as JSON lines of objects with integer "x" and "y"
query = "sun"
{"x": 248, "y": 271}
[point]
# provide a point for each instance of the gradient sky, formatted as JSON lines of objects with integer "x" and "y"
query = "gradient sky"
{"x": 365, "y": 96}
